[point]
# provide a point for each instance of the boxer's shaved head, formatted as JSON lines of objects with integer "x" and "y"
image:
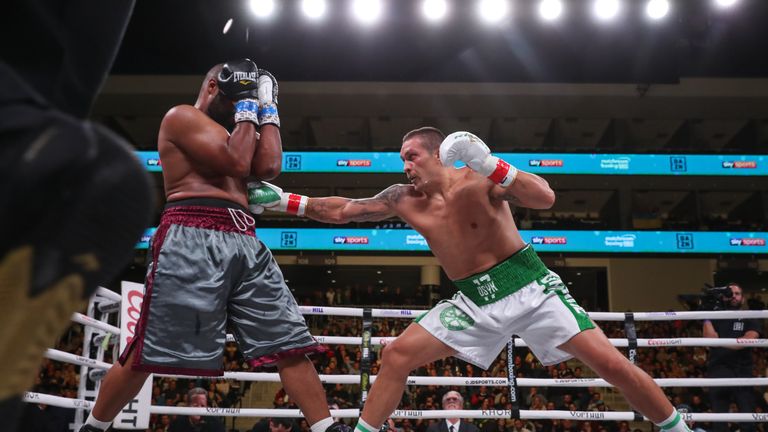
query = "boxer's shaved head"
{"x": 429, "y": 137}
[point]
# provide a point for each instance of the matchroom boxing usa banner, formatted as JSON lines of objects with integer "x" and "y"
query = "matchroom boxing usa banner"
{"x": 539, "y": 163}
{"x": 405, "y": 240}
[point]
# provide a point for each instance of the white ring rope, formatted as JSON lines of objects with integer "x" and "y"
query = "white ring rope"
{"x": 93, "y": 322}
{"x": 411, "y": 414}
{"x": 108, "y": 294}
{"x": 439, "y": 381}
{"x": 356, "y": 340}
{"x": 493, "y": 381}
{"x": 597, "y": 316}
{"x": 411, "y": 313}
{"x": 109, "y": 299}
{"x": 66, "y": 357}
{"x": 617, "y": 342}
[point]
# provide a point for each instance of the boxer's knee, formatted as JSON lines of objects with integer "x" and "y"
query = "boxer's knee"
{"x": 617, "y": 370}
{"x": 396, "y": 358}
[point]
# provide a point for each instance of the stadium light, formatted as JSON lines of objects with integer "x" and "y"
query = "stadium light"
{"x": 492, "y": 11}
{"x": 227, "y": 26}
{"x": 366, "y": 11}
{"x": 434, "y": 10}
{"x": 262, "y": 8}
{"x": 550, "y": 10}
{"x": 313, "y": 9}
{"x": 725, "y": 3}
{"x": 657, "y": 9}
{"x": 606, "y": 9}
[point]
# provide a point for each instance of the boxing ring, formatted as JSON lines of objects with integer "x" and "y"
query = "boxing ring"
{"x": 104, "y": 303}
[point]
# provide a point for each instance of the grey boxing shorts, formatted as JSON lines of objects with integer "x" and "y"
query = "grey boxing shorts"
{"x": 208, "y": 268}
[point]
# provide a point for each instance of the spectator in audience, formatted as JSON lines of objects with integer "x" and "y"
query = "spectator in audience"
{"x": 597, "y": 399}
{"x": 732, "y": 362}
{"x": 519, "y": 426}
{"x": 45, "y": 418}
{"x": 198, "y": 399}
{"x": 452, "y": 400}
{"x": 279, "y": 424}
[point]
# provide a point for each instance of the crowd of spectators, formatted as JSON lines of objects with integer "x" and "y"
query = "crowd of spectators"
{"x": 660, "y": 362}
{"x": 363, "y": 295}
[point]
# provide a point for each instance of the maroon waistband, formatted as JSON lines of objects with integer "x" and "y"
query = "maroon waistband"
{"x": 213, "y": 218}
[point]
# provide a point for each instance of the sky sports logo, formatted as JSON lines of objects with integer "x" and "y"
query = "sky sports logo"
{"x": 154, "y": 162}
{"x": 740, "y": 164}
{"x": 353, "y": 163}
{"x": 747, "y": 241}
{"x": 545, "y": 162}
{"x": 350, "y": 240}
{"x": 549, "y": 240}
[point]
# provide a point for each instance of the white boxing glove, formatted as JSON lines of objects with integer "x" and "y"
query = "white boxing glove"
{"x": 263, "y": 195}
{"x": 468, "y": 148}
{"x": 268, "y": 99}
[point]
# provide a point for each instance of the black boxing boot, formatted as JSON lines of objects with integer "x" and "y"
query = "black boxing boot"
{"x": 339, "y": 427}
{"x": 74, "y": 200}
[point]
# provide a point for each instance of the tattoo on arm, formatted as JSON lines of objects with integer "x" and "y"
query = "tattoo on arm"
{"x": 391, "y": 194}
{"x": 319, "y": 207}
{"x": 512, "y": 199}
{"x": 377, "y": 208}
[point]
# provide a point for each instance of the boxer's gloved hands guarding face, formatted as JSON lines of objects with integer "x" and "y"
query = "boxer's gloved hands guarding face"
{"x": 238, "y": 81}
{"x": 263, "y": 195}
{"x": 268, "y": 99}
{"x": 468, "y": 148}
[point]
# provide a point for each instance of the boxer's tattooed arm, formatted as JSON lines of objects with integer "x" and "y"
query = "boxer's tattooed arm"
{"x": 510, "y": 197}
{"x": 528, "y": 191}
{"x": 343, "y": 210}
{"x": 377, "y": 208}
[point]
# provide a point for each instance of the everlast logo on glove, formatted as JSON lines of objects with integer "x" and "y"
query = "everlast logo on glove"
{"x": 238, "y": 80}
{"x": 245, "y": 77}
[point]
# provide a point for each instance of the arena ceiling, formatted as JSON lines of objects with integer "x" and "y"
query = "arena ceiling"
{"x": 696, "y": 82}
{"x": 185, "y": 37}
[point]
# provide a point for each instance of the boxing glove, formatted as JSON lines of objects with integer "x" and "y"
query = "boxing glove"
{"x": 268, "y": 99}
{"x": 263, "y": 195}
{"x": 238, "y": 81}
{"x": 468, "y": 148}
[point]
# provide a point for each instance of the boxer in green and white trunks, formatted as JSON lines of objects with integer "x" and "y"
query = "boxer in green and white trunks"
{"x": 504, "y": 289}
{"x": 517, "y": 296}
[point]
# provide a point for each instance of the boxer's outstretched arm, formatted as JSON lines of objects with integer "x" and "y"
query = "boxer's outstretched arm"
{"x": 339, "y": 210}
{"x": 528, "y": 190}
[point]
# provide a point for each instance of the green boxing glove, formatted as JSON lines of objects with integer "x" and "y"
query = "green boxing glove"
{"x": 263, "y": 195}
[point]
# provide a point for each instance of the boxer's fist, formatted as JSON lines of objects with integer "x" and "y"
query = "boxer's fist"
{"x": 239, "y": 80}
{"x": 268, "y": 99}
{"x": 464, "y": 147}
{"x": 468, "y": 148}
{"x": 263, "y": 195}
{"x": 267, "y": 87}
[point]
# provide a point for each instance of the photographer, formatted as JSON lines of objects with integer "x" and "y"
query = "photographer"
{"x": 731, "y": 362}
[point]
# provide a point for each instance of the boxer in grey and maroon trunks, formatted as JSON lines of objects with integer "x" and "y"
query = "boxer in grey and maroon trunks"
{"x": 208, "y": 266}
